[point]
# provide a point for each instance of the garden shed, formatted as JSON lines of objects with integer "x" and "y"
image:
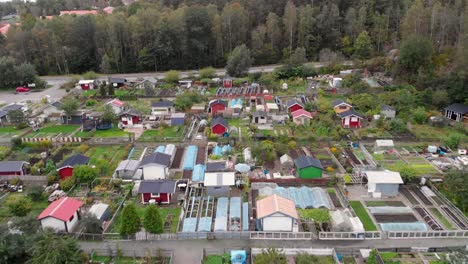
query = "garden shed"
{"x": 276, "y": 214}
{"x": 126, "y": 169}
{"x": 383, "y": 183}
{"x": 61, "y": 215}
{"x": 308, "y": 167}
{"x": 65, "y": 169}
{"x": 101, "y": 211}
{"x": 218, "y": 183}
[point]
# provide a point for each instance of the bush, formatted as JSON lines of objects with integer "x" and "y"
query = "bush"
{"x": 452, "y": 141}
{"x": 130, "y": 221}
{"x": 67, "y": 183}
{"x": 153, "y": 222}
{"x": 172, "y": 76}
{"x": 35, "y": 193}
{"x": 19, "y": 205}
{"x": 85, "y": 174}
{"x": 91, "y": 102}
{"x": 207, "y": 73}
{"x": 90, "y": 75}
{"x": 347, "y": 179}
{"x": 419, "y": 115}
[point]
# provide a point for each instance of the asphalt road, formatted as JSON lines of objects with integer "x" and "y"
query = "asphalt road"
{"x": 190, "y": 251}
{"x": 7, "y": 97}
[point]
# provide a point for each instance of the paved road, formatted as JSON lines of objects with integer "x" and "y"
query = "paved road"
{"x": 190, "y": 251}
{"x": 56, "y": 81}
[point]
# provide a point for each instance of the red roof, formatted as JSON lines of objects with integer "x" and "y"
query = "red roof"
{"x": 61, "y": 209}
{"x": 108, "y": 9}
{"x": 79, "y": 12}
{"x": 4, "y": 28}
{"x": 116, "y": 102}
{"x": 301, "y": 112}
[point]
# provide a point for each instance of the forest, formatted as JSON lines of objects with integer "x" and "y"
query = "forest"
{"x": 192, "y": 34}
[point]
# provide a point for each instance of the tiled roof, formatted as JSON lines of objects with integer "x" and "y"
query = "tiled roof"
{"x": 276, "y": 204}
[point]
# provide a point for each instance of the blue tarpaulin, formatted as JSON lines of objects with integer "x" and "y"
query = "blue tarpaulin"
{"x": 190, "y": 157}
{"x": 218, "y": 151}
{"x": 198, "y": 173}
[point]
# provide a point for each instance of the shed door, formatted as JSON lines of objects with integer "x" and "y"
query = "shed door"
{"x": 346, "y": 121}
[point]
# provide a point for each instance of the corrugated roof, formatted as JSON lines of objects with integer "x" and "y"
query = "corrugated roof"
{"x": 276, "y": 204}
{"x": 61, "y": 209}
{"x": 10, "y": 166}
{"x": 162, "y": 104}
{"x": 459, "y": 108}
{"x": 219, "y": 179}
{"x": 156, "y": 158}
{"x": 307, "y": 161}
{"x": 75, "y": 160}
{"x": 129, "y": 165}
{"x": 157, "y": 186}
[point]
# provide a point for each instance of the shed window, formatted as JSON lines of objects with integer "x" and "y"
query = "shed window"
{"x": 155, "y": 195}
{"x": 71, "y": 218}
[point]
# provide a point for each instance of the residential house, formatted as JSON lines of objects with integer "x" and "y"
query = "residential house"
{"x": 147, "y": 82}
{"x": 177, "y": 119}
{"x": 218, "y": 183}
{"x": 117, "y": 82}
{"x": 77, "y": 118}
{"x": 277, "y": 214}
{"x": 301, "y": 117}
{"x": 53, "y": 111}
{"x": 294, "y": 105}
{"x": 340, "y": 106}
{"x": 61, "y": 215}
{"x": 130, "y": 117}
{"x": 65, "y": 169}
{"x": 383, "y": 183}
{"x": 219, "y": 126}
{"x": 160, "y": 191}
{"x": 259, "y": 117}
{"x": 162, "y": 108}
{"x": 457, "y": 112}
{"x": 216, "y": 105}
{"x": 87, "y": 84}
{"x": 155, "y": 166}
{"x": 308, "y": 167}
{"x": 387, "y": 111}
{"x": 126, "y": 169}
{"x": 13, "y": 168}
{"x": 117, "y": 106}
{"x": 350, "y": 119}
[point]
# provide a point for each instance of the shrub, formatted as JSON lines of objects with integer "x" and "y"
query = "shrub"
{"x": 67, "y": 184}
{"x": 85, "y": 174}
{"x": 347, "y": 179}
{"x": 207, "y": 73}
{"x": 153, "y": 222}
{"x": 172, "y": 76}
{"x": 130, "y": 221}
{"x": 35, "y": 193}
{"x": 91, "y": 102}
{"x": 452, "y": 141}
{"x": 90, "y": 75}
{"x": 19, "y": 205}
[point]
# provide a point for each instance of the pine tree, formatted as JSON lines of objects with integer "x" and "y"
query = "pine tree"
{"x": 153, "y": 222}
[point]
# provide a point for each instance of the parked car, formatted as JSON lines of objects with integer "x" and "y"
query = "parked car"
{"x": 22, "y": 89}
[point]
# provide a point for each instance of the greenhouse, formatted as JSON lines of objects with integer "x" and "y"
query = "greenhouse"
{"x": 226, "y": 149}
{"x": 190, "y": 157}
{"x": 198, "y": 174}
{"x": 390, "y": 210}
{"x": 342, "y": 221}
{"x": 245, "y": 217}
{"x": 190, "y": 224}
{"x": 221, "y": 214}
{"x": 160, "y": 149}
{"x": 417, "y": 226}
{"x": 303, "y": 197}
{"x": 217, "y": 151}
{"x": 235, "y": 214}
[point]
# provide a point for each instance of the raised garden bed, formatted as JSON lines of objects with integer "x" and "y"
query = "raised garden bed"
{"x": 384, "y": 203}
{"x": 395, "y": 218}
{"x": 361, "y": 212}
{"x": 446, "y": 223}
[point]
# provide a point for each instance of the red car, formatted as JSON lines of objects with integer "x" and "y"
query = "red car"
{"x": 22, "y": 89}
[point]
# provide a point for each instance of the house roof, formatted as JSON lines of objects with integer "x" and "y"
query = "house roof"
{"x": 156, "y": 158}
{"x": 459, "y": 108}
{"x": 219, "y": 179}
{"x": 116, "y": 102}
{"x": 56, "y": 104}
{"x": 221, "y": 121}
{"x": 12, "y": 107}
{"x": 108, "y": 10}
{"x": 132, "y": 112}
{"x": 217, "y": 101}
{"x": 85, "y": 81}
{"x": 276, "y": 204}
{"x": 387, "y": 107}
{"x": 350, "y": 112}
{"x": 61, "y": 209}
{"x": 259, "y": 114}
{"x": 293, "y": 102}
{"x": 384, "y": 177}
{"x": 149, "y": 79}
{"x": 157, "y": 186}
{"x": 129, "y": 165}
{"x": 215, "y": 166}
{"x": 339, "y": 102}
{"x": 2, "y": 113}
{"x": 9, "y": 166}
{"x": 162, "y": 104}
{"x": 307, "y": 161}
{"x": 272, "y": 106}
{"x": 301, "y": 112}
{"x": 74, "y": 160}
{"x": 117, "y": 80}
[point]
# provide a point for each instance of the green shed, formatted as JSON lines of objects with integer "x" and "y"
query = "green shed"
{"x": 308, "y": 167}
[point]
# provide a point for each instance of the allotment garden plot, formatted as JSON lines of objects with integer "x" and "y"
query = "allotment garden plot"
{"x": 54, "y": 131}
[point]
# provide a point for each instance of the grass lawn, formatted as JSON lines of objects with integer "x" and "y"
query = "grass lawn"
{"x": 349, "y": 260}
{"x": 88, "y": 93}
{"x": 419, "y": 169}
{"x": 388, "y": 255}
{"x": 8, "y": 129}
{"x": 361, "y": 212}
{"x": 162, "y": 132}
{"x": 5, "y": 214}
{"x": 55, "y": 130}
{"x": 114, "y": 132}
{"x": 112, "y": 154}
{"x": 427, "y": 131}
{"x": 216, "y": 259}
{"x": 446, "y": 223}
{"x": 384, "y": 203}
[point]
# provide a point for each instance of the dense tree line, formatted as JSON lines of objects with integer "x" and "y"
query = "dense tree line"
{"x": 178, "y": 34}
